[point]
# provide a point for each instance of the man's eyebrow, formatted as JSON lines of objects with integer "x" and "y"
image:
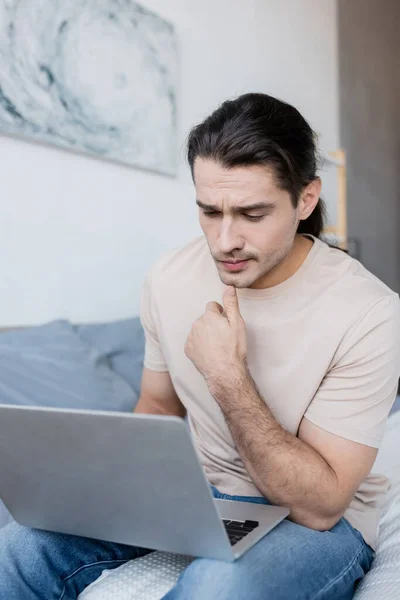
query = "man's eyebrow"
{"x": 239, "y": 209}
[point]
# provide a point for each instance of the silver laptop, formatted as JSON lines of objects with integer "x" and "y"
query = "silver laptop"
{"x": 129, "y": 478}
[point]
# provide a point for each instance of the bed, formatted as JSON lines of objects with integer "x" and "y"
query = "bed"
{"x": 107, "y": 360}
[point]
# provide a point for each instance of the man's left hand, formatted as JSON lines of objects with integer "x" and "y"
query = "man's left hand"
{"x": 217, "y": 343}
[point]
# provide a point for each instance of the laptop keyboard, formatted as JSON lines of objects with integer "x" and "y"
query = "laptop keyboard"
{"x": 237, "y": 530}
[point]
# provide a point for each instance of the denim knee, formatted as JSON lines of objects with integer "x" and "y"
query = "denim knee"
{"x": 18, "y": 542}
{"x": 24, "y": 562}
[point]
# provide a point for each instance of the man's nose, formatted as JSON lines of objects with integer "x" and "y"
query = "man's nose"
{"x": 229, "y": 237}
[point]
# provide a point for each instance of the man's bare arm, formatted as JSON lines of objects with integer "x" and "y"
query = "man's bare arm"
{"x": 315, "y": 474}
{"x": 158, "y": 396}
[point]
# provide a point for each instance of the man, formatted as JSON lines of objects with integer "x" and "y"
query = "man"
{"x": 285, "y": 354}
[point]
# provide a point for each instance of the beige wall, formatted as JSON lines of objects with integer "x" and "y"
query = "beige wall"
{"x": 369, "y": 76}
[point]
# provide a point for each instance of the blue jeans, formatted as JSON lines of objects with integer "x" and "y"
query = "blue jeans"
{"x": 290, "y": 563}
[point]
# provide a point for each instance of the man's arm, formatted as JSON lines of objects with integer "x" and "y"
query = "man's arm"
{"x": 158, "y": 396}
{"x": 315, "y": 474}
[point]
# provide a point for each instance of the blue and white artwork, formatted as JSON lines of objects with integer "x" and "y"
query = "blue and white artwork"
{"x": 94, "y": 76}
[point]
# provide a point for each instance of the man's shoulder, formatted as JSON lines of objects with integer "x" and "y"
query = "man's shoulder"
{"x": 355, "y": 288}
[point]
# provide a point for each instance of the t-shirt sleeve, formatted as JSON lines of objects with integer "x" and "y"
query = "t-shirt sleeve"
{"x": 356, "y": 395}
{"x": 153, "y": 356}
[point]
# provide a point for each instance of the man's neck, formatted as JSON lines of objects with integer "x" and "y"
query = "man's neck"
{"x": 288, "y": 267}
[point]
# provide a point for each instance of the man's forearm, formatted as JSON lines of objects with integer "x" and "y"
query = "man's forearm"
{"x": 286, "y": 470}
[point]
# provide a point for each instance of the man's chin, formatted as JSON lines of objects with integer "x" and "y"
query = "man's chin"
{"x": 238, "y": 280}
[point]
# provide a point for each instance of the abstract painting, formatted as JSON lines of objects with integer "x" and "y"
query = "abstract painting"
{"x": 94, "y": 76}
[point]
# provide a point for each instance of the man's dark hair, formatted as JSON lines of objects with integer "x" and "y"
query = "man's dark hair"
{"x": 257, "y": 129}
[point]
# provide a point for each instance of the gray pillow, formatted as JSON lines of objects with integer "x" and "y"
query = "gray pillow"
{"x": 396, "y": 405}
{"x": 122, "y": 344}
{"x": 50, "y": 365}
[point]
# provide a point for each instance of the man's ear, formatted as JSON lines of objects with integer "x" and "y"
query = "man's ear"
{"x": 309, "y": 199}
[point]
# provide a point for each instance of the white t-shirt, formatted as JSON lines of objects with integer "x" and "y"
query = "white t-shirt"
{"x": 323, "y": 344}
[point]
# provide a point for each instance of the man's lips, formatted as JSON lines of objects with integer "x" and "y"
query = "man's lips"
{"x": 237, "y": 265}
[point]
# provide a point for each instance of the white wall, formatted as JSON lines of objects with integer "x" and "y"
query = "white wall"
{"x": 77, "y": 235}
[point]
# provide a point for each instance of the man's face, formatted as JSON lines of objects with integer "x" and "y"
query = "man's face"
{"x": 249, "y": 222}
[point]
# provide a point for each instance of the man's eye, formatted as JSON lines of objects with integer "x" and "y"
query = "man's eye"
{"x": 210, "y": 213}
{"x": 213, "y": 214}
{"x": 254, "y": 218}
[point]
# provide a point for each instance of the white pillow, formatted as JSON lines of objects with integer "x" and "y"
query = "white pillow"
{"x": 383, "y": 580}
